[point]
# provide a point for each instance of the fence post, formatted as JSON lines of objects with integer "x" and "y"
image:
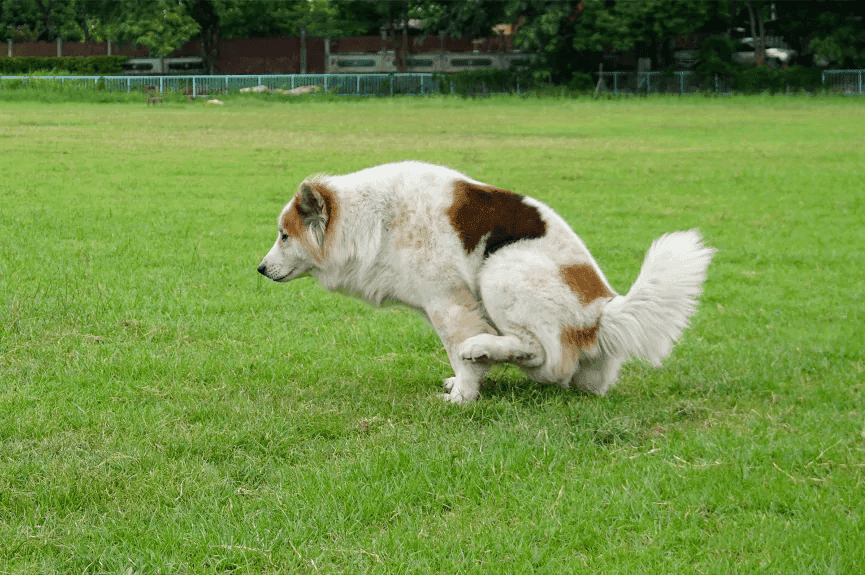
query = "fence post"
{"x": 303, "y": 49}
{"x": 616, "y": 83}
{"x": 716, "y": 83}
{"x": 681, "y": 83}
{"x": 391, "y": 84}
{"x": 59, "y": 47}
{"x": 109, "y": 47}
{"x": 358, "y": 84}
{"x": 160, "y": 84}
{"x": 128, "y": 84}
{"x": 193, "y": 86}
{"x": 9, "y": 47}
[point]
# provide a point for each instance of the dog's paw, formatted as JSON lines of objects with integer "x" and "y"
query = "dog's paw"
{"x": 474, "y": 351}
{"x": 457, "y": 397}
{"x": 486, "y": 349}
{"x": 449, "y": 383}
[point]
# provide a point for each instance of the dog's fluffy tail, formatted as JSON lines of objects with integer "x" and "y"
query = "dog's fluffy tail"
{"x": 649, "y": 320}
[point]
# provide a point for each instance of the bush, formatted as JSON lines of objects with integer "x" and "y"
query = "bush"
{"x": 716, "y": 58}
{"x": 765, "y": 79}
{"x": 89, "y": 66}
{"x": 581, "y": 81}
{"x": 483, "y": 82}
{"x": 36, "y": 89}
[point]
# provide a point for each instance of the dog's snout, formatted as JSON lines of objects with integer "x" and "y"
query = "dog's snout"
{"x": 262, "y": 269}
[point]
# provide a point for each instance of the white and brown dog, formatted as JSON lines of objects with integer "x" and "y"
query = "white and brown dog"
{"x": 500, "y": 276}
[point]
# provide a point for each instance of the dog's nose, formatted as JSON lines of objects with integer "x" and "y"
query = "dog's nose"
{"x": 262, "y": 269}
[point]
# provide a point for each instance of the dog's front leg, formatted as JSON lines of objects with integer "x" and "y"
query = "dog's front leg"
{"x": 456, "y": 320}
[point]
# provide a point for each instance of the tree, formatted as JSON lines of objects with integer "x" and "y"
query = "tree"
{"x": 472, "y": 19}
{"x": 839, "y": 36}
{"x": 47, "y": 18}
{"x": 758, "y": 30}
{"x": 240, "y": 19}
{"x": 205, "y": 15}
{"x": 162, "y": 26}
{"x": 568, "y": 37}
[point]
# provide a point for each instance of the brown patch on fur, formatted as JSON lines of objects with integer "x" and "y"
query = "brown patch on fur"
{"x": 410, "y": 230}
{"x": 577, "y": 338}
{"x": 331, "y": 205}
{"x": 585, "y": 282}
{"x": 478, "y": 211}
{"x": 293, "y": 221}
{"x": 574, "y": 340}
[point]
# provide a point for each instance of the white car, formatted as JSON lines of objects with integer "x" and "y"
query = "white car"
{"x": 775, "y": 57}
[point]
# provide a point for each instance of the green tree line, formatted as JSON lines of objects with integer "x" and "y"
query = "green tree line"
{"x": 564, "y": 37}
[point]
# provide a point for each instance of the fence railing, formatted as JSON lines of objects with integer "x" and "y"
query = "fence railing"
{"x": 845, "y": 81}
{"x": 838, "y": 81}
{"x": 653, "y": 83}
{"x": 348, "y": 84}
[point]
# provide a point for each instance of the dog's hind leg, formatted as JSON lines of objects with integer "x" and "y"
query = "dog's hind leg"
{"x": 597, "y": 375}
{"x": 504, "y": 348}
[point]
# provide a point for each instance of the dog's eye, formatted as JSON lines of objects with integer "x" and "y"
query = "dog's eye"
{"x": 284, "y": 237}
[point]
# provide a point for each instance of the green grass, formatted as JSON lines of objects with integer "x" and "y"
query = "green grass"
{"x": 163, "y": 409}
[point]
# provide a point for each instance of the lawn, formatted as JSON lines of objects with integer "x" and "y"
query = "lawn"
{"x": 164, "y": 409}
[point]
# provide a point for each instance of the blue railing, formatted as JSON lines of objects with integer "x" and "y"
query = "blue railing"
{"x": 838, "y": 81}
{"x": 846, "y": 81}
{"x": 348, "y": 84}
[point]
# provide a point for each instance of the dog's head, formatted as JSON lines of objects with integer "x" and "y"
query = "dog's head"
{"x": 303, "y": 226}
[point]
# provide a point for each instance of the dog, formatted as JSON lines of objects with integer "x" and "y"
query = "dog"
{"x": 501, "y": 277}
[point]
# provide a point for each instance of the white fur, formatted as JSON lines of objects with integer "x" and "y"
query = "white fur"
{"x": 390, "y": 239}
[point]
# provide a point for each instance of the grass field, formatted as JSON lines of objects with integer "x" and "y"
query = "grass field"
{"x": 164, "y": 409}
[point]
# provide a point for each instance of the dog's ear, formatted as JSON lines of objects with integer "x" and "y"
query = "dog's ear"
{"x": 313, "y": 211}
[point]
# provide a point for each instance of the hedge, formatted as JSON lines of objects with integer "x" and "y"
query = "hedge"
{"x": 765, "y": 79}
{"x": 86, "y": 66}
{"x": 483, "y": 81}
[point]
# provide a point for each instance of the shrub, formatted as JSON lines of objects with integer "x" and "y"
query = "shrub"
{"x": 715, "y": 58}
{"x": 483, "y": 81}
{"x": 765, "y": 79}
{"x": 89, "y": 66}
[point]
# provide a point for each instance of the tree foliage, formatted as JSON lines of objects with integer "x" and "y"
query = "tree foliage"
{"x": 839, "y": 36}
{"x": 162, "y": 26}
{"x": 565, "y": 38}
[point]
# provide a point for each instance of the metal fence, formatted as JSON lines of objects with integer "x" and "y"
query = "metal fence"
{"x": 660, "y": 83}
{"x": 844, "y": 81}
{"x": 348, "y": 84}
{"x": 837, "y": 81}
